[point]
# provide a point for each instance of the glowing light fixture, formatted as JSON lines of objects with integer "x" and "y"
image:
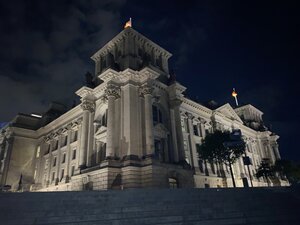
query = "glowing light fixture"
{"x": 128, "y": 23}
{"x": 36, "y": 115}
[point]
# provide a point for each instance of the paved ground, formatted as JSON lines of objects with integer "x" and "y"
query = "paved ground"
{"x": 252, "y": 206}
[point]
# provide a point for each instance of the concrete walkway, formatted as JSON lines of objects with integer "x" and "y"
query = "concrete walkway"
{"x": 252, "y": 206}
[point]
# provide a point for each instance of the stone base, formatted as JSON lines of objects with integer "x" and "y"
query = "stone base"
{"x": 119, "y": 175}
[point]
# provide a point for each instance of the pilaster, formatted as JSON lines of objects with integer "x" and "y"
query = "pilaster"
{"x": 112, "y": 92}
{"x": 146, "y": 91}
{"x": 194, "y": 154}
{"x": 88, "y": 107}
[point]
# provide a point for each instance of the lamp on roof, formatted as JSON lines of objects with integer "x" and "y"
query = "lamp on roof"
{"x": 128, "y": 23}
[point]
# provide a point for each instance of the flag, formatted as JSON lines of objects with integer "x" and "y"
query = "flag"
{"x": 128, "y": 24}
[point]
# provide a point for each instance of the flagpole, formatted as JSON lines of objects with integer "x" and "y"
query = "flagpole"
{"x": 234, "y": 94}
{"x": 236, "y": 101}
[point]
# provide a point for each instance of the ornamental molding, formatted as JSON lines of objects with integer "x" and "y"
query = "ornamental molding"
{"x": 196, "y": 106}
{"x": 122, "y": 36}
{"x": 84, "y": 92}
{"x": 129, "y": 75}
{"x": 63, "y": 130}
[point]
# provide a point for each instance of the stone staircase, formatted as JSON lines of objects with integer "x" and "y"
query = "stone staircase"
{"x": 257, "y": 206}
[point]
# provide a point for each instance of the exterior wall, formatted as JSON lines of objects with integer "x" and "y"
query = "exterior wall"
{"x": 19, "y": 161}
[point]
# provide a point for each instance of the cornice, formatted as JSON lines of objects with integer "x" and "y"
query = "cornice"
{"x": 196, "y": 106}
{"x": 121, "y": 37}
{"x": 127, "y": 75}
{"x": 84, "y": 92}
{"x": 70, "y": 116}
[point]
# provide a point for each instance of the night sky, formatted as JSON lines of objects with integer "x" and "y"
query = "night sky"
{"x": 253, "y": 46}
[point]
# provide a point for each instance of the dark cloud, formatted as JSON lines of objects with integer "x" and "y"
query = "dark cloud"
{"x": 45, "y": 49}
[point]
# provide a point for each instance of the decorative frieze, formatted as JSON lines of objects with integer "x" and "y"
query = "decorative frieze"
{"x": 63, "y": 130}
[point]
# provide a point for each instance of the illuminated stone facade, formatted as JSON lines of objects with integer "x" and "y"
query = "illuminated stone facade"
{"x": 133, "y": 129}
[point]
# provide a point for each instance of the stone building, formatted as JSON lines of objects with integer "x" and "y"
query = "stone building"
{"x": 134, "y": 128}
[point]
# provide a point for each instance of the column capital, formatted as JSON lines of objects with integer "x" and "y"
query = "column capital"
{"x": 145, "y": 90}
{"x": 112, "y": 91}
{"x": 88, "y": 105}
{"x": 190, "y": 116}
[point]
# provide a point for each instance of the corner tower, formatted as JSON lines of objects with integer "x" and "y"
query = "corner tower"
{"x": 131, "y": 121}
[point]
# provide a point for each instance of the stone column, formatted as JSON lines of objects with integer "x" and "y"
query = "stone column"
{"x": 48, "y": 181}
{"x": 58, "y": 160}
{"x": 175, "y": 116}
{"x": 146, "y": 91}
{"x": 175, "y": 156}
{"x": 112, "y": 92}
{"x": 90, "y": 148}
{"x": 194, "y": 154}
{"x": 96, "y": 124}
{"x": 202, "y": 128}
{"x": 87, "y": 106}
{"x": 68, "y": 153}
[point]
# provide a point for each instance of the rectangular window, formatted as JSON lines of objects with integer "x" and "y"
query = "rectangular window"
{"x": 154, "y": 114}
{"x": 206, "y": 131}
{"x": 74, "y": 154}
{"x": 75, "y": 135}
{"x": 47, "y": 149}
{"x": 201, "y": 166}
{"x": 196, "y": 130}
{"x": 159, "y": 116}
{"x": 54, "y": 161}
{"x": 72, "y": 170}
{"x": 53, "y": 176}
{"x": 55, "y": 145}
{"x": 63, "y": 158}
{"x": 62, "y": 174}
{"x": 63, "y": 141}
